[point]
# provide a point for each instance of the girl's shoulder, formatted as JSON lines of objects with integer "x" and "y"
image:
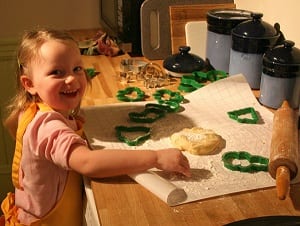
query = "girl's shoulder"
{"x": 53, "y": 119}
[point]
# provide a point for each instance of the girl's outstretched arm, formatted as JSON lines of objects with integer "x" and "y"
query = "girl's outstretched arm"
{"x": 107, "y": 163}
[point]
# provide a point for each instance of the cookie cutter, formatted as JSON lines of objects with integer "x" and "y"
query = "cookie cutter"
{"x": 236, "y": 115}
{"x": 123, "y": 95}
{"x": 167, "y": 96}
{"x": 164, "y": 107}
{"x": 136, "y": 141}
{"x": 189, "y": 83}
{"x": 153, "y": 76}
{"x": 215, "y": 75}
{"x": 91, "y": 72}
{"x": 174, "y": 106}
{"x": 130, "y": 69}
{"x": 149, "y": 115}
{"x": 256, "y": 163}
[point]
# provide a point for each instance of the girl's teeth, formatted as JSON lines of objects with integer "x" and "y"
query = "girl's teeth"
{"x": 67, "y": 92}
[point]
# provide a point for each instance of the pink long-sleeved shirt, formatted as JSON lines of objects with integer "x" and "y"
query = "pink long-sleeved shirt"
{"x": 44, "y": 164}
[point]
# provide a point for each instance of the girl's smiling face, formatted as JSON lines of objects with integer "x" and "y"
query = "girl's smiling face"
{"x": 56, "y": 76}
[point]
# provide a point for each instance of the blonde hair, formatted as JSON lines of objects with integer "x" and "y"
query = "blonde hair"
{"x": 28, "y": 50}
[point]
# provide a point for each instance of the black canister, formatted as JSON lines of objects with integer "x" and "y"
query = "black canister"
{"x": 220, "y": 22}
{"x": 250, "y": 40}
{"x": 280, "y": 78}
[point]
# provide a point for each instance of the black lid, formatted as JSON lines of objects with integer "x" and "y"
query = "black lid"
{"x": 184, "y": 62}
{"x": 254, "y": 36}
{"x": 282, "y": 60}
{"x": 223, "y": 20}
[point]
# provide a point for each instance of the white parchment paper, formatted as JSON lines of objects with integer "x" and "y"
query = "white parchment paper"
{"x": 206, "y": 107}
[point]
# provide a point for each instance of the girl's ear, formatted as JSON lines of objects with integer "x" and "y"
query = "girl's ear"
{"x": 27, "y": 84}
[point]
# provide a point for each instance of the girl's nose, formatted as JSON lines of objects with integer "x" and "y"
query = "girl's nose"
{"x": 70, "y": 78}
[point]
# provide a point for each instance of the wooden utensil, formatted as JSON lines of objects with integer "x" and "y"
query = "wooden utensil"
{"x": 284, "y": 149}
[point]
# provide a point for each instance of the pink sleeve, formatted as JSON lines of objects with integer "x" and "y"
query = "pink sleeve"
{"x": 50, "y": 136}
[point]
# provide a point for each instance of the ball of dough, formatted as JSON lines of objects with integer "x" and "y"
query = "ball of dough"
{"x": 197, "y": 141}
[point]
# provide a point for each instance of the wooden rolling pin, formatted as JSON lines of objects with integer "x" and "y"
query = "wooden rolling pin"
{"x": 284, "y": 149}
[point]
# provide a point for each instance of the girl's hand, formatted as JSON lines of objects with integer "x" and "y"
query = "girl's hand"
{"x": 173, "y": 160}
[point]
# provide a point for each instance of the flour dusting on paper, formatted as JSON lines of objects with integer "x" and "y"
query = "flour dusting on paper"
{"x": 206, "y": 107}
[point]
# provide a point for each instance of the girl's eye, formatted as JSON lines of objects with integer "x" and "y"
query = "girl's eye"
{"x": 57, "y": 72}
{"x": 78, "y": 69}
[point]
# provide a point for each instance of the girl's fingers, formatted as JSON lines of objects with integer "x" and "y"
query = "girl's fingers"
{"x": 185, "y": 166}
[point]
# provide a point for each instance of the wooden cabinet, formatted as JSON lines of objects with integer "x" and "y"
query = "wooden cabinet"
{"x": 7, "y": 90}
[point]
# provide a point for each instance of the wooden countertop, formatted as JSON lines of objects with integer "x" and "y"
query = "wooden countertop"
{"x": 121, "y": 201}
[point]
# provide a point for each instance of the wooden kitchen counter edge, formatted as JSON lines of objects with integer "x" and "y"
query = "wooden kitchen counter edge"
{"x": 121, "y": 201}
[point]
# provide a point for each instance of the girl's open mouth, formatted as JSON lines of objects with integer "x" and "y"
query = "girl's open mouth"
{"x": 70, "y": 93}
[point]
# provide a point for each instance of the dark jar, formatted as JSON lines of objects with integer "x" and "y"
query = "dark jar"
{"x": 250, "y": 40}
{"x": 220, "y": 22}
{"x": 280, "y": 78}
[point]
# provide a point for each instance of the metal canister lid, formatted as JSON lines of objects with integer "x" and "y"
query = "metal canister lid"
{"x": 254, "y": 36}
{"x": 282, "y": 60}
{"x": 222, "y": 21}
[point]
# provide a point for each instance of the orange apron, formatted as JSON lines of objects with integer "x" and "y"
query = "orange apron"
{"x": 68, "y": 210}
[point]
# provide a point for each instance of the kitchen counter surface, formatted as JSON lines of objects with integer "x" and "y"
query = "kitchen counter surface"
{"x": 121, "y": 201}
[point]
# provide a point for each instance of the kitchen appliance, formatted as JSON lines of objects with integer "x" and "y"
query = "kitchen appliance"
{"x": 250, "y": 40}
{"x": 280, "y": 79}
{"x": 121, "y": 19}
{"x": 220, "y": 22}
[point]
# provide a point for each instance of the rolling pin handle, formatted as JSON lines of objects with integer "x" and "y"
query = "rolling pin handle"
{"x": 282, "y": 181}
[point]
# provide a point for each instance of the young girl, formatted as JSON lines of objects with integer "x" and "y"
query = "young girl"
{"x": 49, "y": 154}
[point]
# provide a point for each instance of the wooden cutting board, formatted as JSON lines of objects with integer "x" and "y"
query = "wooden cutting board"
{"x": 181, "y": 14}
